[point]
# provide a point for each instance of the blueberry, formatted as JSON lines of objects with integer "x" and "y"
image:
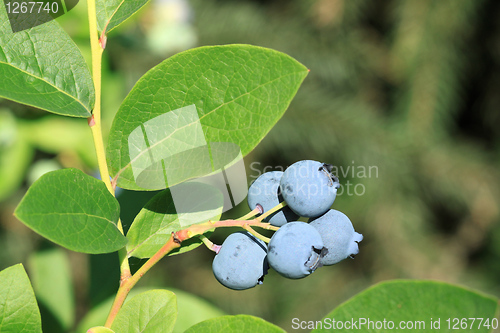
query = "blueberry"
{"x": 295, "y": 250}
{"x": 264, "y": 192}
{"x": 338, "y": 235}
{"x": 309, "y": 188}
{"x": 241, "y": 262}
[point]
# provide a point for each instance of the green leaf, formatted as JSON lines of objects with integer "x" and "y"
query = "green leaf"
{"x": 154, "y": 311}
{"x": 43, "y": 67}
{"x": 110, "y": 13}
{"x": 51, "y": 276}
{"x": 236, "y": 324}
{"x": 100, "y": 329}
{"x": 216, "y": 94}
{"x": 417, "y": 302}
{"x": 74, "y": 210}
{"x": 18, "y": 309}
{"x": 155, "y": 223}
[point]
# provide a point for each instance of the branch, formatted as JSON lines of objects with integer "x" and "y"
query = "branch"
{"x": 174, "y": 242}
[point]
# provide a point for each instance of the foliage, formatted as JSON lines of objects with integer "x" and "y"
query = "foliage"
{"x": 79, "y": 213}
{"x": 18, "y": 304}
{"x": 403, "y": 300}
{"x": 384, "y": 91}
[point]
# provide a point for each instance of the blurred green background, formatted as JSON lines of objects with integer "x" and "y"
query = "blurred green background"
{"x": 402, "y": 97}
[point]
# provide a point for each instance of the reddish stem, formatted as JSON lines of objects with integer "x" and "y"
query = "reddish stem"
{"x": 91, "y": 121}
{"x": 127, "y": 284}
{"x": 173, "y": 242}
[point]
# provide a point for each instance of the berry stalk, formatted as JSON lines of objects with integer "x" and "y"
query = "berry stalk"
{"x": 251, "y": 214}
{"x": 198, "y": 229}
{"x": 256, "y": 234}
{"x": 271, "y": 211}
{"x": 209, "y": 244}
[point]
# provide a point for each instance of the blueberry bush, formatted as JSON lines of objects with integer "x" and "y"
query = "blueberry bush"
{"x": 165, "y": 134}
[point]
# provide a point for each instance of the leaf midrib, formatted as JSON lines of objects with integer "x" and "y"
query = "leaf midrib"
{"x": 85, "y": 214}
{"x": 111, "y": 17}
{"x": 156, "y": 313}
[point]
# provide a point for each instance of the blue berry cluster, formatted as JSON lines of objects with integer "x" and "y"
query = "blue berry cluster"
{"x": 297, "y": 248}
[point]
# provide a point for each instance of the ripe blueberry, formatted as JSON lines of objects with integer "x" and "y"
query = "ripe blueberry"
{"x": 338, "y": 236}
{"x": 309, "y": 188}
{"x": 241, "y": 262}
{"x": 264, "y": 192}
{"x": 295, "y": 250}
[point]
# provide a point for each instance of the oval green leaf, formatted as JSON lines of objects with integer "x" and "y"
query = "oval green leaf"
{"x": 415, "y": 303}
{"x": 236, "y": 324}
{"x": 155, "y": 223}
{"x": 43, "y": 67}
{"x": 154, "y": 311}
{"x": 74, "y": 210}
{"x": 229, "y": 94}
{"x": 18, "y": 308}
